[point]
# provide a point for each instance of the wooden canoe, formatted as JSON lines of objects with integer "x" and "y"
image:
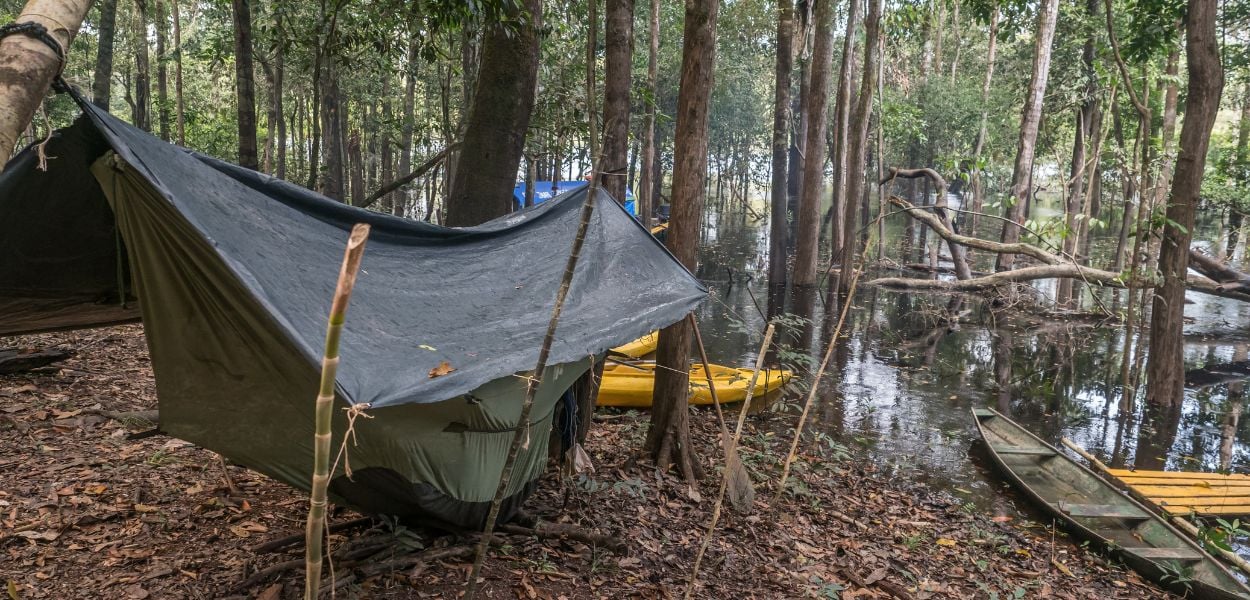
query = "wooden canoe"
{"x": 1096, "y": 511}
{"x": 630, "y": 385}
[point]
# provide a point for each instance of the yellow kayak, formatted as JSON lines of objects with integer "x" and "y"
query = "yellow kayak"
{"x": 630, "y": 385}
{"x": 640, "y": 347}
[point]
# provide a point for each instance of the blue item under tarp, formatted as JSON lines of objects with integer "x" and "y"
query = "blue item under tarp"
{"x": 546, "y": 190}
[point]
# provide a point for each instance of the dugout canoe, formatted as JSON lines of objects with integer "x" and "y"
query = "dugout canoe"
{"x": 629, "y": 385}
{"x": 1098, "y": 512}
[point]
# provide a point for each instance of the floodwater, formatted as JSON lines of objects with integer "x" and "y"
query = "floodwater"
{"x": 902, "y": 389}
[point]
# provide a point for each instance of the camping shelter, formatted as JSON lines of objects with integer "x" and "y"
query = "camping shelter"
{"x": 232, "y": 272}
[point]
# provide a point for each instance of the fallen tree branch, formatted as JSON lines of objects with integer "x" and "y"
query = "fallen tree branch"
{"x": 129, "y": 417}
{"x": 406, "y": 179}
{"x": 1228, "y": 278}
{"x": 958, "y": 256}
{"x": 1053, "y": 267}
{"x": 19, "y": 360}
{"x": 572, "y": 532}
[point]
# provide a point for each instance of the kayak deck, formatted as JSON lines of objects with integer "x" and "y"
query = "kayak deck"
{"x": 631, "y": 385}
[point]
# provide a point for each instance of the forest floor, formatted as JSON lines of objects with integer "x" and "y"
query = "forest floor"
{"x": 86, "y": 512}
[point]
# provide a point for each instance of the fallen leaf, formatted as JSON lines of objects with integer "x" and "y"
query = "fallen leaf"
{"x": 12, "y": 590}
{"x": 272, "y": 592}
{"x": 1062, "y": 567}
{"x": 46, "y": 536}
{"x": 443, "y": 368}
{"x": 946, "y": 542}
{"x": 428, "y": 347}
{"x": 145, "y": 508}
{"x": 1002, "y": 519}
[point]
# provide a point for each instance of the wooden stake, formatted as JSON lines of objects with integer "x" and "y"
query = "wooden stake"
{"x": 325, "y": 407}
{"x": 521, "y": 435}
{"x": 741, "y": 491}
{"x": 733, "y": 448}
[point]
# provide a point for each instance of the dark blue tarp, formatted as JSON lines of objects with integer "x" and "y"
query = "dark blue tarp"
{"x": 546, "y": 190}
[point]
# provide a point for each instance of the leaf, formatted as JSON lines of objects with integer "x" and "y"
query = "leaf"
{"x": 946, "y": 542}
{"x": 428, "y": 347}
{"x": 1001, "y": 518}
{"x": 145, "y": 508}
{"x": 1062, "y": 567}
{"x": 443, "y": 368}
{"x": 12, "y": 587}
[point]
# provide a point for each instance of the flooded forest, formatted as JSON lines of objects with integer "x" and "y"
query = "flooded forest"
{"x": 640, "y": 298}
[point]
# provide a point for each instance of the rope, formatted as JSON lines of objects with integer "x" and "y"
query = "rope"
{"x": 39, "y": 32}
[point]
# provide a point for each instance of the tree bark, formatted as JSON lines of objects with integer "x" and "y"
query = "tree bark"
{"x": 27, "y": 66}
{"x": 143, "y": 86}
{"x": 399, "y": 201}
{"x": 841, "y": 120}
{"x": 592, "y": 50}
{"x": 102, "y": 82}
{"x": 619, "y": 41}
{"x": 1165, "y": 366}
{"x": 646, "y": 185}
{"x": 978, "y": 147}
{"x": 807, "y": 253}
{"x": 779, "y": 226}
{"x": 245, "y": 85}
{"x": 333, "y": 182}
{"x": 857, "y": 148}
{"x": 279, "y": 76}
{"x": 1242, "y": 158}
{"x": 668, "y": 440}
{"x": 494, "y": 136}
{"x": 1021, "y": 177}
{"x": 179, "y": 106}
{"x": 162, "y": 71}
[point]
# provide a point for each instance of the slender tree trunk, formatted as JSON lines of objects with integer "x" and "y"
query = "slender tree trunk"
{"x": 857, "y": 145}
{"x": 1083, "y": 134}
{"x": 841, "y": 124}
{"x": 494, "y": 136}
{"x": 646, "y": 185}
{"x": 279, "y": 76}
{"x": 978, "y": 147}
{"x": 668, "y": 440}
{"x": 333, "y": 181}
{"x": 592, "y": 51}
{"x": 387, "y": 159}
{"x": 1242, "y": 157}
{"x": 779, "y": 226}
{"x": 179, "y": 107}
{"x": 143, "y": 87}
{"x": 807, "y": 253}
{"x": 1021, "y": 178}
{"x": 162, "y": 71}
{"x": 357, "y": 168}
{"x": 619, "y": 40}
{"x": 1166, "y": 368}
{"x": 400, "y": 199}
{"x": 102, "y": 82}
{"x": 245, "y": 85}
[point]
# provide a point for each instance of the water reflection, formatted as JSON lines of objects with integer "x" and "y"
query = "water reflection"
{"x": 911, "y": 365}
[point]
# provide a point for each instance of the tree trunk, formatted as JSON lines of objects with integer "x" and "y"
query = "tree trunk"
{"x": 668, "y": 440}
{"x": 245, "y": 85}
{"x": 1242, "y": 158}
{"x": 841, "y": 123}
{"x": 978, "y": 147}
{"x": 619, "y": 40}
{"x": 592, "y": 50}
{"x": 162, "y": 72}
{"x": 179, "y": 107}
{"x": 1166, "y": 369}
{"x": 143, "y": 86}
{"x": 102, "y": 82}
{"x": 779, "y": 226}
{"x": 279, "y": 74}
{"x": 646, "y": 185}
{"x": 494, "y": 136}
{"x": 857, "y": 147}
{"x": 27, "y": 66}
{"x": 1082, "y": 137}
{"x": 332, "y": 182}
{"x": 357, "y": 168}
{"x": 807, "y": 253}
{"x": 1021, "y": 177}
{"x": 399, "y": 200}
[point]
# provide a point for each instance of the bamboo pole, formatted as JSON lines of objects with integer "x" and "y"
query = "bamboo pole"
{"x": 324, "y": 412}
{"x": 521, "y": 435}
{"x": 741, "y": 492}
{"x": 733, "y": 447}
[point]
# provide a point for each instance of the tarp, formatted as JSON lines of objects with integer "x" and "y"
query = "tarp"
{"x": 546, "y": 190}
{"x": 234, "y": 272}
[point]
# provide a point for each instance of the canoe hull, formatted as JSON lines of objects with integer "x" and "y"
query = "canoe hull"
{"x": 1104, "y": 516}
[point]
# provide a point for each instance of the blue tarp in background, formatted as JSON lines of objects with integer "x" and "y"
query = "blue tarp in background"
{"x": 545, "y": 190}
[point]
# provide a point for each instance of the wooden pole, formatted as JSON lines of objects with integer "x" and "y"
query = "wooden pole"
{"x": 325, "y": 409}
{"x": 741, "y": 492}
{"x": 733, "y": 447}
{"x": 521, "y": 435}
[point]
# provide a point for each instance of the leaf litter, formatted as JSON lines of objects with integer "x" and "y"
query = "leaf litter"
{"x": 86, "y": 512}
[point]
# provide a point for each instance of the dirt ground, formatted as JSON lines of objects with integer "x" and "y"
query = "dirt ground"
{"x": 86, "y": 512}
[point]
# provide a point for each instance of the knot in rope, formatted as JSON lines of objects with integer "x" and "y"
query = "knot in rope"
{"x": 39, "y": 32}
